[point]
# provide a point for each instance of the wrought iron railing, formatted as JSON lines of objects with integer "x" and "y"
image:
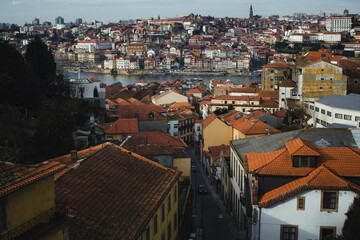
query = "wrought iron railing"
{"x": 38, "y": 225}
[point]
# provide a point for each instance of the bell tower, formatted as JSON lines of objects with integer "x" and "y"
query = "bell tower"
{"x": 251, "y": 12}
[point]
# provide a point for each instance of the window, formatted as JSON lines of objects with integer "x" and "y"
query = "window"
{"x": 175, "y": 195}
{"x": 155, "y": 222}
{"x": 225, "y": 102}
{"x": 306, "y": 105}
{"x": 147, "y": 233}
{"x": 169, "y": 230}
{"x": 162, "y": 213}
{"x": 322, "y": 79}
{"x": 175, "y": 221}
{"x": 338, "y": 115}
{"x": 233, "y": 102}
{"x": 356, "y": 82}
{"x": 321, "y": 88}
{"x": 322, "y": 111}
{"x": 329, "y": 113}
{"x": 357, "y": 118}
{"x": 3, "y": 220}
{"x": 304, "y": 161}
{"x": 311, "y": 107}
{"x": 300, "y": 203}
{"x": 317, "y": 120}
{"x": 347, "y": 117}
{"x": 176, "y": 125}
{"x": 329, "y": 201}
{"x": 327, "y": 233}
{"x": 316, "y": 109}
{"x": 288, "y": 232}
{"x": 169, "y": 203}
{"x": 323, "y": 123}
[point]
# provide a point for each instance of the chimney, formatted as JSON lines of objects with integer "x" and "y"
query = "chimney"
{"x": 74, "y": 156}
{"x": 253, "y": 121}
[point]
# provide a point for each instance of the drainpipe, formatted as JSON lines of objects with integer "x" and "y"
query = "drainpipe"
{"x": 259, "y": 222}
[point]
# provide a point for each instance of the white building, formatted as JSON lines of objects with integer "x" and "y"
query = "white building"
{"x": 335, "y": 111}
{"x": 89, "y": 90}
{"x": 300, "y": 191}
{"x": 338, "y": 24}
{"x": 173, "y": 126}
{"x": 287, "y": 92}
{"x": 315, "y": 211}
{"x": 92, "y": 46}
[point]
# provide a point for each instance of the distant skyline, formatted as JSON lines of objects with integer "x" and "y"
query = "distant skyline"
{"x": 21, "y": 11}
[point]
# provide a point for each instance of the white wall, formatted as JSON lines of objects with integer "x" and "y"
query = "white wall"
{"x": 331, "y": 119}
{"x": 308, "y": 220}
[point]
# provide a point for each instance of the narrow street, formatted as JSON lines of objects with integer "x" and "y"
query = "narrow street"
{"x": 210, "y": 218}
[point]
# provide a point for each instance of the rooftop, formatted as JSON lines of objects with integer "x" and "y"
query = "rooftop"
{"x": 113, "y": 193}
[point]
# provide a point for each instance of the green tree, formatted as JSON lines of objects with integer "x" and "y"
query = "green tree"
{"x": 13, "y": 77}
{"x": 41, "y": 67}
{"x": 54, "y": 129}
{"x": 351, "y": 229}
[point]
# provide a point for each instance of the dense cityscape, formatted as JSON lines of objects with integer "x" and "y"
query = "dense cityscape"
{"x": 184, "y": 128}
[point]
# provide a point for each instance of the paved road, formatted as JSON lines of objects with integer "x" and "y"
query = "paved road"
{"x": 209, "y": 212}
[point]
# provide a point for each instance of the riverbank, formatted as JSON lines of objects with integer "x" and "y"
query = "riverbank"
{"x": 155, "y": 72}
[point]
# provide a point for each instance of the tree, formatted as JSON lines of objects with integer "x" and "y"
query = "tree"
{"x": 54, "y": 129}
{"x": 14, "y": 83}
{"x": 41, "y": 67}
{"x": 351, "y": 229}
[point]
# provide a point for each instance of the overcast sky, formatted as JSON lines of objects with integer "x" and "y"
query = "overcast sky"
{"x": 21, "y": 11}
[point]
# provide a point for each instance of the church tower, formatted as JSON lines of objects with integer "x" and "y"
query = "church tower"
{"x": 251, "y": 12}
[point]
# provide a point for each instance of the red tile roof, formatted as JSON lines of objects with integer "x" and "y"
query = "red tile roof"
{"x": 301, "y": 147}
{"x": 206, "y": 122}
{"x": 113, "y": 193}
{"x": 154, "y": 137}
{"x": 320, "y": 178}
{"x": 122, "y": 125}
{"x": 15, "y": 176}
{"x": 343, "y": 161}
{"x": 250, "y": 126}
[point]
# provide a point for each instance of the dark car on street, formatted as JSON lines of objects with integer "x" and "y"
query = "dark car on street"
{"x": 202, "y": 189}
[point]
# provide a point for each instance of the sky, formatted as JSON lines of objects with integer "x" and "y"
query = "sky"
{"x": 21, "y": 11}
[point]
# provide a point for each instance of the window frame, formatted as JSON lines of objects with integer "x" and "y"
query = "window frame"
{"x": 155, "y": 225}
{"x": 298, "y": 205}
{"x": 322, "y": 209}
{"x": 282, "y": 226}
{"x": 169, "y": 203}
{"x": 163, "y": 213}
{"x": 327, "y": 227}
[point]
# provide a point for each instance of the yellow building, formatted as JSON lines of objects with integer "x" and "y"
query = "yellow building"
{"x": 320, "y": 79}
{"x": 118, "y": 194}
{"x": 27, "y": 202}
{"x": 215, "y": 132}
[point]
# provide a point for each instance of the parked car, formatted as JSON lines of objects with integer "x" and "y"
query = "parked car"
{"x": 202, "y": 189}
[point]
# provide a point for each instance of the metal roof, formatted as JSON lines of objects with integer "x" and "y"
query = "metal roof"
{"x": 267, "y": 143}
{"x": 351, "y": 101}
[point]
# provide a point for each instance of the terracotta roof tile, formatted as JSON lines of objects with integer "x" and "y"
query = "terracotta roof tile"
{"x": 113, "y": 193}
{"x": 301, "y": 147}
{"x": 15, "y": 176}
{"x": 343, "y": 161}
{"x": 122, "y": 125}
{"x": 206, "y": 122}
{"x": 320, "y": 178}
{"x": 154, "y": 137}
{"x": 250, "y": 126}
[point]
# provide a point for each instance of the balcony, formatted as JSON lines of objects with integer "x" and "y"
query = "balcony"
{"x": 39, "y": 225}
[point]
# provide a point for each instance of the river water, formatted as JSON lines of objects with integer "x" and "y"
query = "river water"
{"x": 125, "y": 79}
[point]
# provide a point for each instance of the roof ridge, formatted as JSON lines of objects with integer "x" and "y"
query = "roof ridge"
{"x": 142, "y": 158}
